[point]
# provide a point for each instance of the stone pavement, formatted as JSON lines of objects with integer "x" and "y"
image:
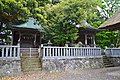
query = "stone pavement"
{"x": 112, "y": 73}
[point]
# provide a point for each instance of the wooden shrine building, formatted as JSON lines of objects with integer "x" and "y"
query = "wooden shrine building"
{"x": 113, "y": 23}
{"x": 27, "y": 34}
{"x": 87, "y": 34}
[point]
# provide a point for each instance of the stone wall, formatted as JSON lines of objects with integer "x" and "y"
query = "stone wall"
{"x": 116, "y": 61}
{"x": 10, "y": 67}
{"x": 68, "y": 64}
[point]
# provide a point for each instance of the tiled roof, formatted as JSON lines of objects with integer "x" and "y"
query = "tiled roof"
{"x": 30, "y": 24}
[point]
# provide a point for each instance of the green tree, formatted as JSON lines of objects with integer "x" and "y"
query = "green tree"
{"x": 63, "y": 17}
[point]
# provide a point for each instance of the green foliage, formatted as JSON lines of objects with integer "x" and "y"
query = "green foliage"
{"x": 21, "y": 9}
{"x": 62, "y": 19}
{"x": 106, "y": 38}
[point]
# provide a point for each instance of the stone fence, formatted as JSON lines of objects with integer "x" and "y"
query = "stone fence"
{"x": 10, "y": 67}
{"x": 116, "y": 61}
{"x": 68, "y": 64}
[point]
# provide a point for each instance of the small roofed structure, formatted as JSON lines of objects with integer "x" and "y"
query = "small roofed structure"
{"x": 87, "y": 34}
{"x": 113, "y": 23}
{"x": 27, "y": 34}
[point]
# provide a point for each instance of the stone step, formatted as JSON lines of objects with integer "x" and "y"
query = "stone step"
{"x": 38, "y": 66}
{"x": 109, "y": 65}
{"x": 36, "y": 63}
{"x": 108, "y": 62}
{"x": 25, "y": 63}
{"x": 31, "y": 69}
{"x": 28, "y": 55}
{"x": 30, "y": 59}
{"x": 30, "y": 63}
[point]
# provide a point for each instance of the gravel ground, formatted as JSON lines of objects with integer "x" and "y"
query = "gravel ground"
{"x": 112, "y": 73}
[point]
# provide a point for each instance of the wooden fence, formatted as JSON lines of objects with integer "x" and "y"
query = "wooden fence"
{"x": 114, "y": 52}
{"x": 7, "y": 51}
{"x": 71, "y": 52}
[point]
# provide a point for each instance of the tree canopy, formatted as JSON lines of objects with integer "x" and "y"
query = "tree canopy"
{"x": 62, "y": 19}
{"x": 12, "y": 10}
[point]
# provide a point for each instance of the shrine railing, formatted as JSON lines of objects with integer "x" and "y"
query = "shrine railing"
{"x": 9, "y": 51}
{"x": 29, "y": 52}
{"x": 113, "y": 52}
{"x": 71, "y": 52}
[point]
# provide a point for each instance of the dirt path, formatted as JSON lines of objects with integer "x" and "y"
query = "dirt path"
{"x": 86, "y": 74}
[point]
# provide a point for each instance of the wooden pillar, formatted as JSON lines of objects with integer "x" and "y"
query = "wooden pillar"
{"x": 94, "y": 40}
{"x": 35, "y": 40}
{"x": 40, "y": 38}
{"x": 91, "y": 40}
{"x": 85, "y": 39}
{"x": 12, "y": 38}
{"x": 19, "y": 38}
{"x": 118, "y": 39}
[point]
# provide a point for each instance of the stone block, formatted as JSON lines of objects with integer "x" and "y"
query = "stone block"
{"x": 9, "y": 67}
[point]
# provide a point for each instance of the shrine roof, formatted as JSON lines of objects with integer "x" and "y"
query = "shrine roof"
{"x": 113, "y": 22}
{"x": 30, "y": 24}
{"x": 87, "y": 26}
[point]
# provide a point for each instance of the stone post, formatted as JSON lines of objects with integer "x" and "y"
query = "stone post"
{"x": 41, "y": 50}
